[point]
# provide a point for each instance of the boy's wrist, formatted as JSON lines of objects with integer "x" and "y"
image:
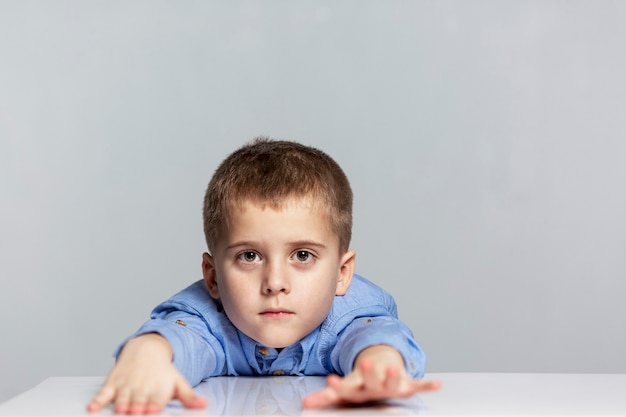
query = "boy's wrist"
{"x": 381, "y": 354}
{"x": 152, "y": 344}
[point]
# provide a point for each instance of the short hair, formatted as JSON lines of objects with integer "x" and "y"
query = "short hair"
{"x": 268, "y": 172}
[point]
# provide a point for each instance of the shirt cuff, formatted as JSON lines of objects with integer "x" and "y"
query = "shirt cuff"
{"x": 194, "y": 367}
{"x": 365, "y": 332}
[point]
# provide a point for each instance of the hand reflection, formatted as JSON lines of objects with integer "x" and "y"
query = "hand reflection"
{"x": 279, "y": 395}
{"x": 261, "y": 395}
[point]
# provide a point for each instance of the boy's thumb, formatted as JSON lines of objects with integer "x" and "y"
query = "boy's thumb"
{"x": 186, "y": 395}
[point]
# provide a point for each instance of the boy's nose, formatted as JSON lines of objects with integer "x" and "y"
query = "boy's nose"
{"x": 276, "y": 280}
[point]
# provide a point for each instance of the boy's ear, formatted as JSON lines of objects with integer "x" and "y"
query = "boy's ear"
{"x": 208, "y": 272}
{"x": 346, "y": 270}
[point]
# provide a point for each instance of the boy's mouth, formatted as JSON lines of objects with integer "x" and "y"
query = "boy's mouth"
{"x": 276, "y": 313}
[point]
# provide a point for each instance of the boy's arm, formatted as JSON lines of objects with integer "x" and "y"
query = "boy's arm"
{"x": 365, "y": 332}
{"x": 176, "y": 348}
{"x": 144, "y": 379}
{"x": 379, "y": 373}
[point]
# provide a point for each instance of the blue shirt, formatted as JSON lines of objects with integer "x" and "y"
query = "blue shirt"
{"x": 205, "y": 343}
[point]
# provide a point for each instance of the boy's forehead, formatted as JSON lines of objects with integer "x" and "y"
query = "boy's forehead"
{"x": 307, "y": 203}
{"x": 310, "y": 223}
{"x": 317, "y": 210}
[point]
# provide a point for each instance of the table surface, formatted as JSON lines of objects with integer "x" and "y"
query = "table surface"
{"x": 462, "y": 394}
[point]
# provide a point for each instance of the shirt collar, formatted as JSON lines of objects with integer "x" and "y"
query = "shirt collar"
{"x": 251, "y": 348}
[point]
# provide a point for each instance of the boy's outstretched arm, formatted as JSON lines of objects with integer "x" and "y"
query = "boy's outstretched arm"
{"x": 144, "y": 380}
{"x": 379, "y": 373}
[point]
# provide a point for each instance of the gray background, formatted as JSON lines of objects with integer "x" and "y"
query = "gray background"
{"x": 485, "y": 141}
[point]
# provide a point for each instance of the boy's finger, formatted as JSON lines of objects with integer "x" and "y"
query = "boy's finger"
{"x": 322, "y": 398}
{"x": 419, "y": 385}
{"x": 186, "y": 395}
{"x": 345, "y": 385}
{"x": 138, "y": 403}
{"x": 392, "y": 381}
{"x": 371, "y": 380}
{"x": 137, "y": 409}
{"x": 157, "y": 402}
{"x": 102, "y": 399}
{"x": 154, "y": 408}
{"x": 122, "y": 402}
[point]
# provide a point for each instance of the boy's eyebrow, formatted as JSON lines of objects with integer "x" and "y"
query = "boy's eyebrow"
{"x": 306, "y": 243}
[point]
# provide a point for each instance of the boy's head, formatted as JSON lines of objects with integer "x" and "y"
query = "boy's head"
{"x": 271, "y": 172}
{"x": 277, "y": 217}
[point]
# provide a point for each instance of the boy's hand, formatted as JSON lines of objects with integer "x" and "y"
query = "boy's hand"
{"x": 144, "y": 380}
{"x": 378, "y": 374}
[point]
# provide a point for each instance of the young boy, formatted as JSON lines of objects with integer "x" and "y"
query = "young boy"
{"x": 279, "y": 295}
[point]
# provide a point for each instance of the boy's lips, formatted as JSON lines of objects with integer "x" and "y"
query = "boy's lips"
{"x": 276, "y": 313}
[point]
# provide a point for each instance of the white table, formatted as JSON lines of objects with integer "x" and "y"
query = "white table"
{"x": 463, "y": 394}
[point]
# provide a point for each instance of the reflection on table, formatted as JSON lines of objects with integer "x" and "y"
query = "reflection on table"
{"x": 463, "y": 394}
{"x": 278, "y": 395}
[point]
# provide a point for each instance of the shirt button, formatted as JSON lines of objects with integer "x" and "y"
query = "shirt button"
{"x": 182, "y": 323}
{"x": 263, "y": 351}
{"x": 278, "y": 372}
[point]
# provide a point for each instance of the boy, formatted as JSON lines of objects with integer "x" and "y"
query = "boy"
{"x": 279, "y": 295}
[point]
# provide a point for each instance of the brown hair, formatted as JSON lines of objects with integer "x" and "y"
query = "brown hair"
{"x": 269, "y": 171}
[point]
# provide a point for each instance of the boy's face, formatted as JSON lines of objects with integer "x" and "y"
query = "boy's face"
{"x": 277, "y": 271}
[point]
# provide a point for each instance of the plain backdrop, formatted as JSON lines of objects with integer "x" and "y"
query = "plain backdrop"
{"x": 485, "y": 142}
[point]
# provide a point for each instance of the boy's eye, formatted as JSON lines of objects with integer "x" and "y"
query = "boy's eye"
{"x": 248, "y": 256}
{"x": 303, "y": 256}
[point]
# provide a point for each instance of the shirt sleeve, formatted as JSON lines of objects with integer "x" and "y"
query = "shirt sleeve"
{"x": 364, "y": 332}
{"x": 198, "y": 353}
{"x": 367, "y": 316}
